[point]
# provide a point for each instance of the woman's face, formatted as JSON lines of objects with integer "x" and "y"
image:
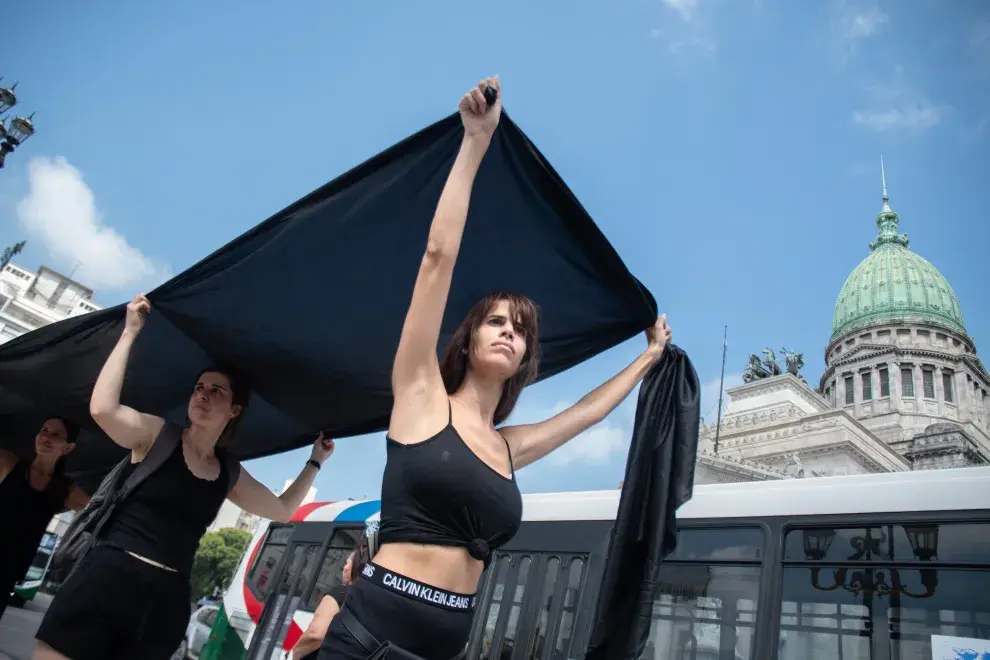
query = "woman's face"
{"x": 499, "y": 344}
{"x": 345, "y": 576}
{"x": 211, "y": 404}
{"x": 53, "y": 440}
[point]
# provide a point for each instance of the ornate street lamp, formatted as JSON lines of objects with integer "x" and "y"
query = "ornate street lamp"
{"x": 923, "y": 540}
{"x": 13, "y": 133}
{"x": 816, "y": 543}
{"x": 8, "y": 99}
{"x": 17, "y": 131}
{"x": 879, "y": 581}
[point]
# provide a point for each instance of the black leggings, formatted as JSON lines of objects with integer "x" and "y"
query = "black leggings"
{"x": 428, "y": 622}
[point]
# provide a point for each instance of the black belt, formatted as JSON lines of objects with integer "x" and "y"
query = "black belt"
{"x": 378, "y": 650}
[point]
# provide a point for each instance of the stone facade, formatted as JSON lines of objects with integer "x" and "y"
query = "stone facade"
{"x": 903, "y": 387}
{"x": 910, "y": 382}
{"x": 779, "y": 428}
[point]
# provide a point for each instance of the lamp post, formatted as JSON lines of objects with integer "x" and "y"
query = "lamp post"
{"x": 16, "y": 131}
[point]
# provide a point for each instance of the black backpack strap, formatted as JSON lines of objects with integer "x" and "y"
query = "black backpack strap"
{"x": 233, "y": 468}
{"x": 165, "y": 444}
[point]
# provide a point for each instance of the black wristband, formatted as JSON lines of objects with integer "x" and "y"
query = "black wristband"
{"x": 314, "y": 463}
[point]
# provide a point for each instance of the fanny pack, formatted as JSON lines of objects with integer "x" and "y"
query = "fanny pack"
{"x": 379, "y": 650}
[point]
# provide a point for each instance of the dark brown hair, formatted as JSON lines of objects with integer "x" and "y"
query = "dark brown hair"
{"x": 525, "y": 316}
{"x": 240, "y": 395}
{"x": 361, "y": 559}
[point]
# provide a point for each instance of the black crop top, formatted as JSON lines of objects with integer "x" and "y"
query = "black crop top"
{"x": 439, "y": 492}
{"x": 164, "y": 518}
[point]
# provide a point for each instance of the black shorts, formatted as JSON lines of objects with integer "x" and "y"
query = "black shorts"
{"x": 429, "y": 622}
{"x": 117, "y": 606}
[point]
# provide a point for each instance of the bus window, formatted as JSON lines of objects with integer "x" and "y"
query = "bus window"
{"x": 339, "y": 550}
{"x": 502, "y": 570}
{"x": 707, "y": 595}
{"x": 522, "y": 585}
{"x": 546, "y": 601}
{"x": 259, "y": 578}
{"x": 881, "y": 592}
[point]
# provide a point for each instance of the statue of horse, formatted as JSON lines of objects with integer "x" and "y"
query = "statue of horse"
{"x": 794, "y": 361}
{"x": 754, "y": 369}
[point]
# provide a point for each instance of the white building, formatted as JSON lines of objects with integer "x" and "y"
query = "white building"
{"x": 903, "y": 387}
{"x": 29, "y": 300}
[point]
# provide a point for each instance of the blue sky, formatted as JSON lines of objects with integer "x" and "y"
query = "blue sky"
{"x": 729, "y": 150}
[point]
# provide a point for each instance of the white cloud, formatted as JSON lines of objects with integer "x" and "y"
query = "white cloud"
{"x": 686, "y": 8}
{"x": 692, "y": 33}
{"x": 853, "y": 22}
{"x": 709, "y": 396}
{"x": 59, "y": 210}
{"x": 861, "y": 24}
{"x": 596, "y": 446}
{"x": 912, "y": 115}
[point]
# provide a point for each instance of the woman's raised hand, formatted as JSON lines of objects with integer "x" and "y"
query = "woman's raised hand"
{"x": 658, "y": 336}
{"x": 323, "y": 448}
{"x": 137, "y": 313}
{"x": 479, "y": 119}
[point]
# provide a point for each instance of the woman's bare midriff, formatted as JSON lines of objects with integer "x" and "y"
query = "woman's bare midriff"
{"x": 446, "y": 567}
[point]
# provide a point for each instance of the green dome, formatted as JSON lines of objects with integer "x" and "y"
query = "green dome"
{"x": 893, "y": 283}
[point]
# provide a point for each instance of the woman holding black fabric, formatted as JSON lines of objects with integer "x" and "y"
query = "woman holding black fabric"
{"x": 449, "y": 495}
{"x": 129, "y": 598}
{"x": 308, "y": 645}
{"x": 31, "y": 492}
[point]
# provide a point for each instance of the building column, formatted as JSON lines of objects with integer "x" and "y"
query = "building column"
{"x": 919, "y": 386}
{"x": 939, "y": 392}
{"x": 963, "y": 399}
{"x": 894, "y": 378}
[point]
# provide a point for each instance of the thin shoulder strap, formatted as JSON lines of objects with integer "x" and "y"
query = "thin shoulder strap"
{"x": 508, "y": 449}
{"x": 233, "y": 469}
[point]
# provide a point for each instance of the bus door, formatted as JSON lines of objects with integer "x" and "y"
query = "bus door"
{"x": 294, "y": 574}
{"x": 315, "y": 558}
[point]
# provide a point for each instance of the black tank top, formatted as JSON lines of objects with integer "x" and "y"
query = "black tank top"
{"x": 164, "y": 518}
{"x": 439, "y": 492}
{"x": 26, "y": 513}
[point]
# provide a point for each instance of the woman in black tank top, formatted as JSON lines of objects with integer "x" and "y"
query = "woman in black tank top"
{"x": 449, "y": 495}
{"x": 31, "y": 492}
{"x": 308, "y": 646}
{"x": 129, "y": 596}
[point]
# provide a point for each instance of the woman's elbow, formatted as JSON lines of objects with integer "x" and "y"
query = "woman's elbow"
{"x": 99, "y": 409}
{"x": 283, "y": 515}
{"x": 438, "y": 253}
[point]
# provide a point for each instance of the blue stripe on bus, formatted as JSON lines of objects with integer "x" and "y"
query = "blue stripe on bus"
{"x": 359, "y": 512}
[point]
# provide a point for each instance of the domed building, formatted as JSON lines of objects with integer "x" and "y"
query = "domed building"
{"x": 903, "y": 387}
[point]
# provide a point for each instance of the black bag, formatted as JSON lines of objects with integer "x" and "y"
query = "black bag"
{"x": 84, "y": 531}
{"x": 379, "y": 650}
{"x": 77, "y": 537}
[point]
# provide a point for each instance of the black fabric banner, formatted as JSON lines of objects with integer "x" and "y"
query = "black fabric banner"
{"x": 309, "y": 304}
{"x": 659, "y": 479}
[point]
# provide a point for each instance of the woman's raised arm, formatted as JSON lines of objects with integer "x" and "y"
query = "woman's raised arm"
{"x": 127, "y": 427}
{"x": 416, "y": 381}
{"x": 531, "y": 442}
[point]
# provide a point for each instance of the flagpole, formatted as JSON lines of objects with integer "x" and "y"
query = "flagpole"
{"x": 721, "y": 387}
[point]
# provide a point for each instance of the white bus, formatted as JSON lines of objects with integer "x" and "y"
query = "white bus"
{"x": 864, "y": 567}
